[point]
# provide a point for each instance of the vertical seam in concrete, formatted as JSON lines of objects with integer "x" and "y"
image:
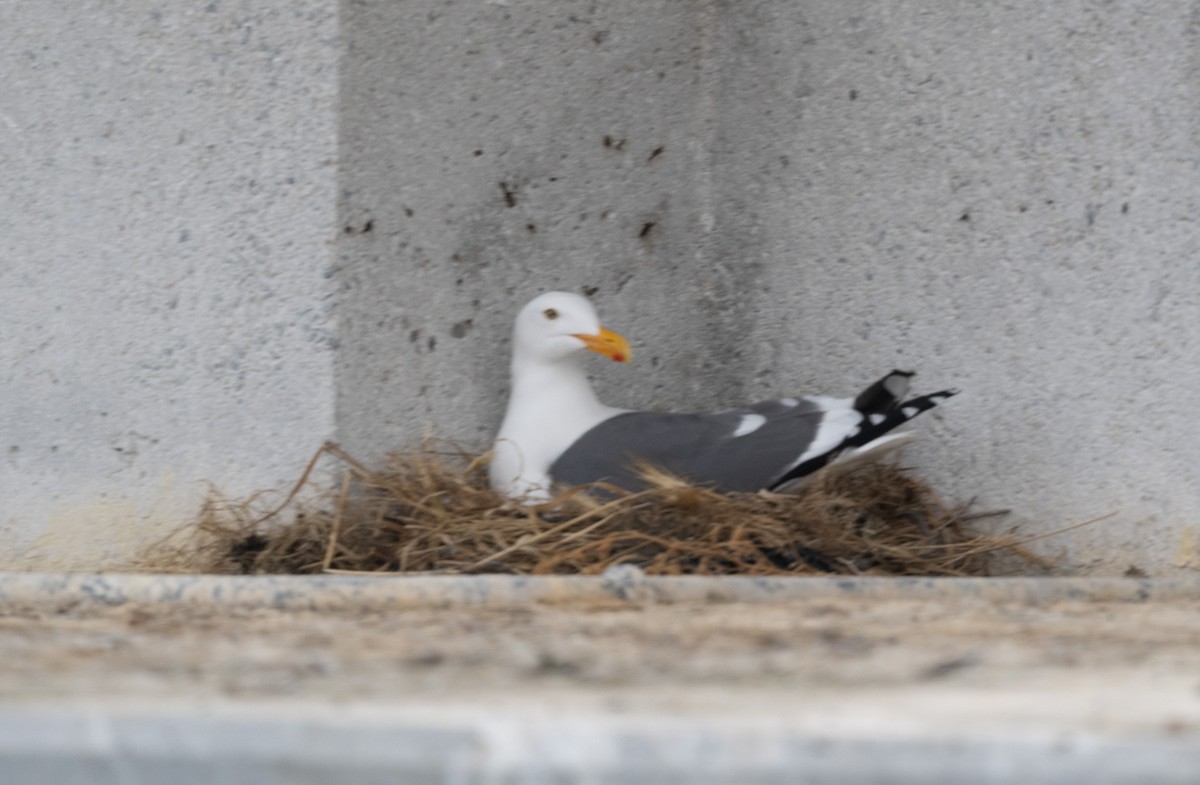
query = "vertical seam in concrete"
{"x": 706, "y": 140}
{"x": 337, "y": 280}
{"x": 333, "y": 280}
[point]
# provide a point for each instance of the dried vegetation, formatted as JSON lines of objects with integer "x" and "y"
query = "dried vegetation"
{"x": 431, "y": 511}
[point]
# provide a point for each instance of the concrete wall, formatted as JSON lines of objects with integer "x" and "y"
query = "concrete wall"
{"x": 496, "y": 150}
{"x": 165, "y": 230}
{"x": 1001, "y": 197}
{"x": 766, "y": 197}
{"x": 1006, "y": 204}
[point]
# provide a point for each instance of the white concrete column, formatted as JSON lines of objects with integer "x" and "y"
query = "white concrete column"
{"x": 166, "y": 221}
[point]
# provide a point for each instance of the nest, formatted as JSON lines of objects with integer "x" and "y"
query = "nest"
{"x": 432, "y": 511}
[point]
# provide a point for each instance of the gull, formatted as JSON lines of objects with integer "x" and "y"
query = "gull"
{"x": 556, "y": 432}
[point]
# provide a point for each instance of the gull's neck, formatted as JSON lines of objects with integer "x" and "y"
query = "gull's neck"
{"x": 550, "y": 405}
{"x": 556, "y": 392}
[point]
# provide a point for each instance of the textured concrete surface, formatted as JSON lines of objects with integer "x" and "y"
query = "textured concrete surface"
{"x": 770, "y": 197}
{"x": 766, "y": 197}
{"x": 495, "y": 150}
{"x": 165, "y": 230}
{"x": 624, "y": 584}
{"x": 902, "y": 683}
{"x": 1001, "y": 196}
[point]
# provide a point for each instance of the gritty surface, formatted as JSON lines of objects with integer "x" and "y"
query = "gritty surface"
{"x": 165, "y": 228}
{"x": 772, "y": 198}
{"x": 230, "y": 230}
{"x": 1123, "y": 668}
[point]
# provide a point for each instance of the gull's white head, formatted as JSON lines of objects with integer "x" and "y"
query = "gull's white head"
{"x": 552, "y": 403}
{"x": 558, "y": 325}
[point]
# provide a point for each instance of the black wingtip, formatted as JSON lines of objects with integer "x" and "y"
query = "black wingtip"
{"x": 885, "y": 394}
{"x": 887, "y": 420}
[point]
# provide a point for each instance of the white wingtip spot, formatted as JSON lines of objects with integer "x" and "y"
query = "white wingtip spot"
{"x": 910, "y": 411}
{"x": 749, "y": 424}
{"x": 897, "y": 386}
{"x": 789, "y": 402}
{"x": 877, "y": 418}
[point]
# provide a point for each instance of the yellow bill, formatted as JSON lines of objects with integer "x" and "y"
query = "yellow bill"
{"x": 608, "y": 343}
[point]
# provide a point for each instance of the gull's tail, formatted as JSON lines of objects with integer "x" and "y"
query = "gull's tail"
{"x": 882, "y": 411}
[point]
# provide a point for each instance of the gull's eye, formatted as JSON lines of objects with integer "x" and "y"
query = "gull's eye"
{"x": 550, "y": 313}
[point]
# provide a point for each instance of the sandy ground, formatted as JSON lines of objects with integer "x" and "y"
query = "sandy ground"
{"x": 1130, "y": 668}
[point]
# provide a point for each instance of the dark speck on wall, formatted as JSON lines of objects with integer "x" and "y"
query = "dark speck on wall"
{"x": 647, "y": 228}
{"x": 853, "y": 95}
{"x": 656, "y": 152}
{"x": 460, "y": 329}
{"x": 510, "y": 193}
{"x": 966, "y": 216}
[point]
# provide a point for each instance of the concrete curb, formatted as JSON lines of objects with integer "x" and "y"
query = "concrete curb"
{"x": 353, "y": 746}
{"x": 901, "y": 737}
{"x": 625, "y": 584}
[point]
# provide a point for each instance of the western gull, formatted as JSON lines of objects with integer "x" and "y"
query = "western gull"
{"x": 557, "y": 433}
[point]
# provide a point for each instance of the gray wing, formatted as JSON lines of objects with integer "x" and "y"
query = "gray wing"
{"x": 736, "y": 450}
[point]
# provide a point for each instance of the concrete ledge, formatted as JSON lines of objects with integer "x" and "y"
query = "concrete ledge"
{"x": 351, "y": 745}
{"x": 329, "y": 592}
{"x": 483, "y": 679}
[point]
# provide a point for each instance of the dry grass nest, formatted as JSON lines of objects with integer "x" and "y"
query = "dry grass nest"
{"x": 431, "y": 510}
